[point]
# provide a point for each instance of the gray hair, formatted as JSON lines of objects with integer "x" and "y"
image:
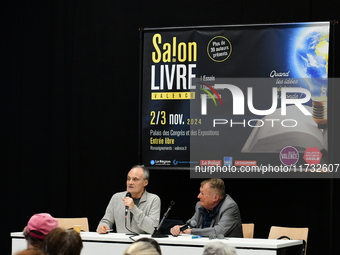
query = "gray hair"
{"x": 145, "y": 171}
{"x": 218, "y": 248}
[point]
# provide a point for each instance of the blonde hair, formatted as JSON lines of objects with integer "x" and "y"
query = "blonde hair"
{"x": 141, "y": 248}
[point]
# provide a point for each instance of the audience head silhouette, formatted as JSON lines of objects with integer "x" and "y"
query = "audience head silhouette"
{"x": 141, "y": 248}
{"x": 63, "y": 242}
{"x": 218, "y": 248}
{"x": 154, "y": 243}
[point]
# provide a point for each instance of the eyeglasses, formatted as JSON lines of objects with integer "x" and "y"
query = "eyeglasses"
{"x": 219, "y": 236}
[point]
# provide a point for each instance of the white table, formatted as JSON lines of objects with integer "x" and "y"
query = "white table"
{"x": 116, "y": 243}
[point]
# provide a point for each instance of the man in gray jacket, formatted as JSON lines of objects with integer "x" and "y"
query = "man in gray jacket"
{"x": 215, "y": 214}
{"x": 136, "y": 214}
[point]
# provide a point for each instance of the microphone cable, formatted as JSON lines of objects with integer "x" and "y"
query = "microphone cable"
{"x": 132, "y": 233}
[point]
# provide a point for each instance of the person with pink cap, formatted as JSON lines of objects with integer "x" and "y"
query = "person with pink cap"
{"x": 37, "y": 228}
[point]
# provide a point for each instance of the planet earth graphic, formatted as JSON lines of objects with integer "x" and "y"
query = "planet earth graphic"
{"x": 312, "y": 53}
{"x": 312, "y": 62}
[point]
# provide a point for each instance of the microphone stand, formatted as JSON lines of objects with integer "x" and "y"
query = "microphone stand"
{"x": 157, "y": 233}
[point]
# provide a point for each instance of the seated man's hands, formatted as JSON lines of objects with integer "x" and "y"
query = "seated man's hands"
{"x": 175, "y": 231}
{"x": 102, "y": 229}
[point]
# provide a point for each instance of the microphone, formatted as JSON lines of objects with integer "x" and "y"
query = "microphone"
{"x": 128, "y": 194}
{"x": 189, "y": 224}
{"x": 156, "y": 232}
{"x": 166, "y": 214}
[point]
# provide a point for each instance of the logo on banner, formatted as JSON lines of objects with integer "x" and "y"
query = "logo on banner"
{"x": 227, "y": 161}
{"x": 210, "y": 162}
{"x": 312, "y": 155}
{"x": 219, "y": 49}
{"x": 245, "y": 163}
{"x": 212, "y": 95}
{"x": 160, "y": 162}
{"x": 173, "y": 69}
{"x": 289, "y": 156}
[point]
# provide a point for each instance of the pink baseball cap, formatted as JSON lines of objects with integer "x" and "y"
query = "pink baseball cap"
{"x": 43, "y": 223}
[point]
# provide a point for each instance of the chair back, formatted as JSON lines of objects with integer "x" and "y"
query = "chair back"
{"x": 68, "y": 223}
{"x": 292, "y": 233}
{"x": 248, "y": 230}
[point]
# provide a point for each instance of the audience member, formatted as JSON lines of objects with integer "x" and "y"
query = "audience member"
{"x": 140, "y": 212}
{"x": 218, "y": 248}
{"x": 141, "y": 248}
{"x": 37, "y": 228}
{"x": 63, "y": 242}
{"x": 153, "y": 242}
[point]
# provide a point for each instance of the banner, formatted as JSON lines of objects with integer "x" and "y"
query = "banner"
{"x": 235, "y": 98}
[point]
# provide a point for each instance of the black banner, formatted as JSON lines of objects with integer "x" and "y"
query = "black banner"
{"x": 236, "y": 97}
